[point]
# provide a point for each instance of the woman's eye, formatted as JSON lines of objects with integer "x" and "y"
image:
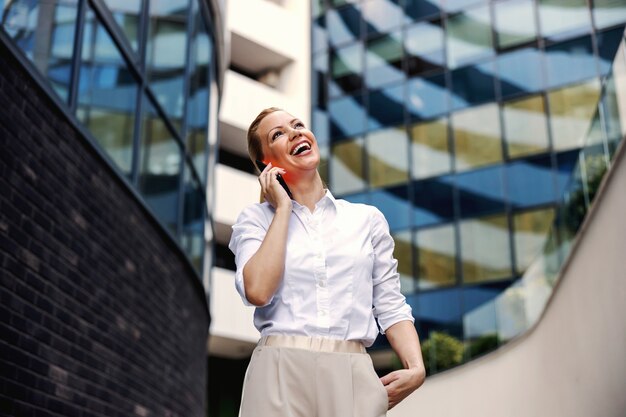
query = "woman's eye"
{"x": 299, "y": 125}
{"x": 276, "y": 134}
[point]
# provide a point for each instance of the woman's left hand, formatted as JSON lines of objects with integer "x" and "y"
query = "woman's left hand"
{"x": 399, "y": 384}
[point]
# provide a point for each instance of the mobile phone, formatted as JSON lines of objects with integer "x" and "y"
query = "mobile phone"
{"x": 279, "y": 177}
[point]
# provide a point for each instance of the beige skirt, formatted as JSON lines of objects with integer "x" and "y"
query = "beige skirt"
{"x": 299, "y": 376}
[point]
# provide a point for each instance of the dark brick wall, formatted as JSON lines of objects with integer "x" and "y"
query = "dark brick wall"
{"x": 101, "y": 315}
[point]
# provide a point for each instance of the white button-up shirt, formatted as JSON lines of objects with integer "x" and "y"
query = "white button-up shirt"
{"x": 339, "y": 273}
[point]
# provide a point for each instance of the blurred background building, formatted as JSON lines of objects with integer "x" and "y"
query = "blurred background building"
{"x": 108, "y": 149}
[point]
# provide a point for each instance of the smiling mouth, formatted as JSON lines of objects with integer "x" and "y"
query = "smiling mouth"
{"x": 300, "y": 148}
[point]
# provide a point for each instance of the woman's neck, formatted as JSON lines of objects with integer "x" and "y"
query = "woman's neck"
{"x": 308, "y": 191}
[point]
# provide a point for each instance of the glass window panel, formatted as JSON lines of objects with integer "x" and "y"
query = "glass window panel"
{"x": 319, "y": 37}
{"x": 520, "y": 72}
{"x": 469, "y": 37}
{"x": 477, "y": 138}
{"x": 436, "y": 257}
{"x": 387, "y": 157}
{"x": 344, "y": 25}
{"x": 452, "y": 6}
{"x": 433, "y": 201}
{"x": 346, "y": 167}
{"x": 530, "y": 233}
{"x": 384, "y": 60}
{"x": 608, "y": 13}
{"x": 481, "y": 191}
{"x": 560, "y": 18}
{"x": 430, "y": 153}
{"x": 419, "y": 9}
{"x": 347, "y": 116}
{"x": 386, "y": 107}
{"x": 525, "y": 126}
{"x": 438, "y": 311}
{"x": 514, "y": 22}
{"x": 394, "y": 203}
{"x": 427, "y": 97}
{"x": 320, "y": 127}
{"x": 192, "y": 237}
{"x": 424, "y": 47}
{"x": 199, "y": 94}
{"x": 347, "y": 69}
{"x": 403, "y": 252}
{"x": 338, "y": 3}
{"x": 382, "y": 16}
{"x": 126, "y": 13}
{"x": 485, "y": 249}
{"x": 571, "y": 113}
{"x": 531, "y": 182}
{"x": 107, "y": 94}
{"x": 319, "y": 96}
{"x": 570, "y": 62}
{"x": 607, "y": 43}
{"x": 159, "y": 170}
{"x": 473, "y": 85}
{"x": 44, "y": 32}
{"x": 566, "y": 162}
{"x": 166, "y": 47}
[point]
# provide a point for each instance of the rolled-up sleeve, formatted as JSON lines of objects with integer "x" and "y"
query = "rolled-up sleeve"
{"x": 248, "y": 234}
{"x": 390, "y": 305}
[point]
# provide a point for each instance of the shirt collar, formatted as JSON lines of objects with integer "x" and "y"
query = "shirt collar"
{"x": 327, "y": 200}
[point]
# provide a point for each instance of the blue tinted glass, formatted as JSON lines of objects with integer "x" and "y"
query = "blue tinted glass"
{"x": 418, "y": 9}
{"x": 319, "y": 38}
{"x": 321, "y": 127}
{"x": 514, "y": 22}
{"x": 386, "y": 107}
{"x": 563, "y": 18}
{"x": 343, "y": 25}
{"x": 347, "y": 69}
{"x": 520, "y": 72}
{"x": 469, "y": 37}
{"x": 480, "y": 191}
{"x": 381, "y": 16}
{"x": 607, "y": 43}
{"x": 472, "y": 85}
{"x": 566, "y": 161}
{"x": 384, "y": 60}
{"x": 427, "y": 97}
{"x": 394, "y": 203}
{"x": 530, "y": 182}
{"x": 608, "y": 13}
{"x": 424, "y": 56}
{"x": 347, "y": 116}
{"x": 360, "y": 198}
{"x": 432, "y": 201}
{"x": 319, "y": 94}
{"x": 569, "y": 62}
{"x": 438, "y": 310}
{"x": 451, "y": 6}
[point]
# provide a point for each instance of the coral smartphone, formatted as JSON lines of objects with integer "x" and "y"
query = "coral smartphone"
{"x": 280, "y": 179}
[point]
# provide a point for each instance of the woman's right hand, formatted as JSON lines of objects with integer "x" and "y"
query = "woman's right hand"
{"x": 271, "y": 189}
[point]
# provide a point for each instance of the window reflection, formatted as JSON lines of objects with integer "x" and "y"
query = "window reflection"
{"x": 485, "y": 249}
{"x": 608, "y": 13}
{"x": 107, "y": 94}
{"x": 346, "y": 167}
{"x": 347, "y": 116}
{"x": 424, "y": 47}
{"x": 403, "y": 252}
{"x": 427, "y": 97}
{"x": 481, "y": 191}
{"x": 44, "y": 31}
{"x": 381, "y": 16}
{"x": 319, "y": 95}
{"x": 436, "y": 256}
{"x": 432, "y": 201}
{"x": 514, "y": 22}
{"x": 344, "y": 25}
{"x": 430, "y": 154}
{"x": 571, "y": 113}
{"x": 563, "y": 17}
{"x": 520, "y": 72}
{"x": 469, "y": 37}
{"x": 347, "y": 68}
{"x": 570, "y": 61}
{"x": 607, "y": 43}
{"x": 473, "y": 85}
{"x": 530, "y": 233}
{"x": 525, "y": 126}
{"x": 384, "y": 60}
{"x": 126, "y": 13}
{"x": 192, "y": 236}
{"x": 386, "y": 107}
{"x": 394, "y": 203}
{"x": 531, "y": 182}
{"x": 160, "y": 164}
{"x": 319, "y": 35}
{"x": 387, "y": 157}
{"x": 419, "y": 9}
{"x": 477, "y": 137}
{"x": 165, "y": 55}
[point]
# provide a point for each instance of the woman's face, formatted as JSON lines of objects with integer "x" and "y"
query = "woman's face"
{"x": 288, "y": 144}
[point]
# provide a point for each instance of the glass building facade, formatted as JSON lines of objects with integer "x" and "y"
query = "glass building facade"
{"x": 462, "y": 120}
{"x": 140, "y": 77}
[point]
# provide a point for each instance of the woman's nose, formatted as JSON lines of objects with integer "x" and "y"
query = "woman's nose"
{"x": 294, "y": 133}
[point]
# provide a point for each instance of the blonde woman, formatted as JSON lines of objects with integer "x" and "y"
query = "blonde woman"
{"x": 322, "y": 276}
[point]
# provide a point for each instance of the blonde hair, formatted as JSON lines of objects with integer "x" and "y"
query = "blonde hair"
{"x": 255, "y": 146}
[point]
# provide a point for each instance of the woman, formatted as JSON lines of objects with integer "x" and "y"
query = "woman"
{"x": 321, "y": 274}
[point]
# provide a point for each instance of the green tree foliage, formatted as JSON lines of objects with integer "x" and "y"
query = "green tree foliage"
{"x": 441, "y": 351}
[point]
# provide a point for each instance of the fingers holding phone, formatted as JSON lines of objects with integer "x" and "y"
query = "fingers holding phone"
{"x": 277, "y": 194}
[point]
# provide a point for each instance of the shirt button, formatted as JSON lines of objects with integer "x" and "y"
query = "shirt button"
{"x": 323, "y": 284}
{"x": 323, "y": 313}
